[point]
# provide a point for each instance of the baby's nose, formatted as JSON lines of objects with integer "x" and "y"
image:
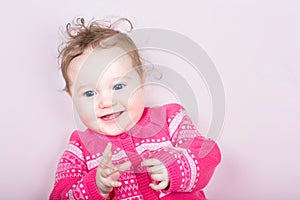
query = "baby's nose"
{"x": 105, "y": 101}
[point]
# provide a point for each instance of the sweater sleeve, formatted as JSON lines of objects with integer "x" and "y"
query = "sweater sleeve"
{"x": 73, "y": 180}
{"x": 192, "y": 159}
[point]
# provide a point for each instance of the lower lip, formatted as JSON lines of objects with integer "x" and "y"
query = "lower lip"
{"x": 111, "y": 120}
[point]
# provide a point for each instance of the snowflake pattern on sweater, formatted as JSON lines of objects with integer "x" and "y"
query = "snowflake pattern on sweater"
{"x": 165, "y": 133}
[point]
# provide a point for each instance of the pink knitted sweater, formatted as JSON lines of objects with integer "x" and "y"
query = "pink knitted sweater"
{"x": 165, "y": 133}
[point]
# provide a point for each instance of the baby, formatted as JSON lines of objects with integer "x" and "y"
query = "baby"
{"x": 128, "y": 151}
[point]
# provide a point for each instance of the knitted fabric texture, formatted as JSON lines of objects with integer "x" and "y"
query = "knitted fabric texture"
{"x": 189, "y": 158}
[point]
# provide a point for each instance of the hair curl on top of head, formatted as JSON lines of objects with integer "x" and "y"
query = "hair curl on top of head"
{"x": 82, "y": 35}
{"x": 78, "y": 24}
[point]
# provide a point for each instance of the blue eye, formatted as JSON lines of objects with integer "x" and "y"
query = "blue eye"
{"x": 119, "y": 86}
{"x": 89, "y": 93}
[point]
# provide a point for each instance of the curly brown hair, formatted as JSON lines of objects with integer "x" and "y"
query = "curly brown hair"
{"x": 82, "y": 36}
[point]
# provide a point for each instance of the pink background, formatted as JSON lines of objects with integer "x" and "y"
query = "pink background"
{"x": 255, "y": 46}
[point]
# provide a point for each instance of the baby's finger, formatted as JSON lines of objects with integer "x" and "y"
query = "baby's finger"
{"x": 159, "y": 177}
{"x": 158, "y": 169}
{"x": 106, "y": 159}
{"x": 162, "y": 185}
{"x": 107, "y": 172}
{"x": 151, "y": 162}
{"x": 113, "y": 183}
{"x": 115, "y": 176}
{"x": 107, "y": 150}
{"x": 124, "y": 166}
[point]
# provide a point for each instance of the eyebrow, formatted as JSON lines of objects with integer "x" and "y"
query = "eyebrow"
{"x": 113, "y": 79}
{"x": 121, "y": 77}
{"x": 81, "y": 87}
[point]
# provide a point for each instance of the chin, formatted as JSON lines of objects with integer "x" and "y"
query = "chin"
{"x": 112, "y": 132}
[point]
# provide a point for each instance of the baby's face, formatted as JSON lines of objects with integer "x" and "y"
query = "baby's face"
{"x": 106, "y": 90}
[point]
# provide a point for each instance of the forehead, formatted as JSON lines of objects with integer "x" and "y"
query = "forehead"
{"x": 98, "y": 64}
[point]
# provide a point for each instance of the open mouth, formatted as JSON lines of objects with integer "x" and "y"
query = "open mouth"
{"x": 111, "y": 116}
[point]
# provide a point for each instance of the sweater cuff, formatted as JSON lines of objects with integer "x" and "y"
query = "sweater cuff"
{"x": 90, "y": 182}
{"x": 174, "y": 167}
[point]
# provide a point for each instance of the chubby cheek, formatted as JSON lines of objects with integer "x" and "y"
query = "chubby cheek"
{"x": 136, "y": 105}
{"x": 86, "y": 111}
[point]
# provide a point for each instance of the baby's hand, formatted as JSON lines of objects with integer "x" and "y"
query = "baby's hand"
{"x": 107, "y": 174}
{"x": 158, "y": 173}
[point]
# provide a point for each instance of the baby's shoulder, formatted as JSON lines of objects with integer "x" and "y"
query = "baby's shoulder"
{"x": 75, "y": 136}
{"x": 169, "y": 110}
{"x": 172, "y": 108}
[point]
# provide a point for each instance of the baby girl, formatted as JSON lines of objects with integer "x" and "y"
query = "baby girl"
{"x": 127, "y": 151}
